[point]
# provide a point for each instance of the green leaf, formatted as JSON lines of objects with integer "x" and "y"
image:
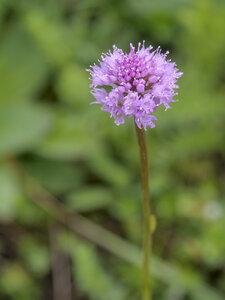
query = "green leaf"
{"x": 10, "y": 194}
{"x": 16, "y": 283}
{"x": 109, "y": 169}
{"x": 28, "y": 213}
{"x": 70, "y": 138}
{"x": 21, "y": 127}
{"x": 89, "y": 198}
{"x": 23, "y": 69}
{"x": 53, "y": 39}
{"x": 35, "y": 255}
{"x": 73, "y": 86}
{"x": 55, "y": 176}
{"x": 92, "y": 279}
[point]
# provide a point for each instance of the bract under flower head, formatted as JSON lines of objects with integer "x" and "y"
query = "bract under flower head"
{"x": 139, "y": 82}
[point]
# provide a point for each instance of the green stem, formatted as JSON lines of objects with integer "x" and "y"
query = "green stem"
{"x": 146, "y": 213}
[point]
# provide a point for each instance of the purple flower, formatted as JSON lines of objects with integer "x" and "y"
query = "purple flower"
{"x": 136, "y": 83}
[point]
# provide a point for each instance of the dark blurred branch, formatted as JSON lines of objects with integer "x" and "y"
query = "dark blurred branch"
{"x": 61, "y": 278}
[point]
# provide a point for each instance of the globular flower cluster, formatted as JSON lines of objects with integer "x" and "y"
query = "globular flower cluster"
{"x": 134, "y": 83}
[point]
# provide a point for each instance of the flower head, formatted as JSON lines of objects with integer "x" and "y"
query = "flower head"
{"x": 134, "y": 83}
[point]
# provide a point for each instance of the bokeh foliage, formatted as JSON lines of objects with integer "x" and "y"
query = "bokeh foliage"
{"x": 49, "y": 132}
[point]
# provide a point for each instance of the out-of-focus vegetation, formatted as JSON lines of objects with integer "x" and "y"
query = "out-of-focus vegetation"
{"x": 62, "y": 158}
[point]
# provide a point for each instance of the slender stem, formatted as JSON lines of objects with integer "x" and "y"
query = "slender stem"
{"x": 146, "y": 212}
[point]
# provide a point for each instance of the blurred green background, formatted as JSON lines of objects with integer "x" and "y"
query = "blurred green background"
{"x": 70, "y": 198}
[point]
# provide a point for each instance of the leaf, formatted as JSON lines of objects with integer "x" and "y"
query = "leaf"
{"x": 73, "y": 86}
{"x": 21, "y": 127}
{"x": 3, "y": 9}
{"x": 35, "y": 255}
{"x": 16, "y": 283}
{"x": 23, "y": 69}
{"x": 55, "y": 176}
{"x": 109, "y": 169}
{"x": 28, "y": 213}
{"x": 126, "y": 208}
{"x": 89, "y": 198}
{"x": 92, "y": 279}
{"x": 70, "y": 138}
{"x": 53, "y": 39}
{"x": 10, "y": 194}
